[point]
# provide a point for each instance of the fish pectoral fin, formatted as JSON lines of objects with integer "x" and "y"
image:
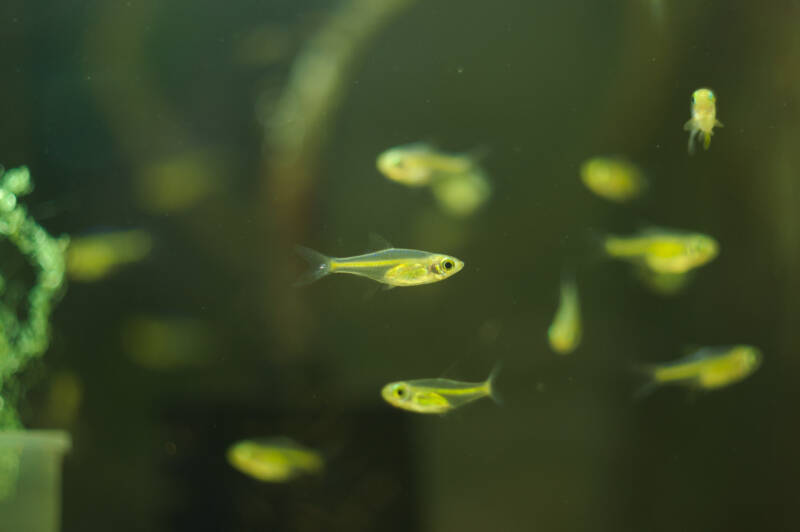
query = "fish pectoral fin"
{"x": 378, "y": 242}
{"x": 718, "y": 123}
{"x": 688, "y": 125}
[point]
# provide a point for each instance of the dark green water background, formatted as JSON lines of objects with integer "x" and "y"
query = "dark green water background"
{"x": 91, "y": 92}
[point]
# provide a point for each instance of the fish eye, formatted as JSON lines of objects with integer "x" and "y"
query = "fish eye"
{"x": 400, "y": 391}
{"x": 693, "y": 98}
{"x": 448, "y": 264}
{"x": 711, "y": 96}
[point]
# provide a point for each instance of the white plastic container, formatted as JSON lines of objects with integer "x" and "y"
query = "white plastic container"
{"x": 32, "y": 502}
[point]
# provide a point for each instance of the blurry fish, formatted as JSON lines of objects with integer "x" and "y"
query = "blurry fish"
{"x": 665, "y": 284}
{"x": 704, "y": 117}
{"x": 391, "y": 266}
{"x": 663, "y": 250}
{"x": 274, "y": 459}
{"x": 93, "y": 257}
{"x": 419, "y": 164}
{"x": 437, "y": 396}
{"x": 706, "y": 368}
{"x": 565, "y": 332}
{"x": 179, "y": 182}
{"x": 461, "y": 194}
{"x": 613, "y": 179}
{"x": 166, "y": 343}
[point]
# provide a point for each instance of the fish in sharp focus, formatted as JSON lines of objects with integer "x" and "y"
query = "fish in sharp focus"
{"x": 612, "y": 178}
{"x": 663, "y": 250}
{"x": 704, "y": 118}
{"x": 437, "y": 396}
{"x": 391, "y": 266}
{"x": 564, "y": 334}
{"x": 707, "y": 368}
{"x": 419, "y": 164}
{"x": 274, "y": 459}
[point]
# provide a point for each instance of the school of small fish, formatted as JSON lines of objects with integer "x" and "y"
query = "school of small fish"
{"x": 663, "y": 259}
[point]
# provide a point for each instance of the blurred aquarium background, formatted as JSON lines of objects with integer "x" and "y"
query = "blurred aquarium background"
{"x": 224, "y": 133}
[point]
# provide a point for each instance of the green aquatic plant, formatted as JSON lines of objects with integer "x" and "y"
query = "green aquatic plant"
{"x": 24, "y": 339}
{"x": 24, "y": 333}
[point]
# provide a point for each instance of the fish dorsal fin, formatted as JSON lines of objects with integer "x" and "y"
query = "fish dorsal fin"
{"x": 690, "y": 349}
{"x": 378, "y": 242}
{"x": 478, "y": 154}
{"x": 424, "y": 145}
{"x": 447, "y": 373}
{"x": 694, "y": 353}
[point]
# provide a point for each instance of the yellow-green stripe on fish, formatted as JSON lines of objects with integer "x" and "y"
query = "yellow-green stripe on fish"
{"x": 392, "y": 266}
{"x": 707, "y": 368}
{"x": 437, "y": 396}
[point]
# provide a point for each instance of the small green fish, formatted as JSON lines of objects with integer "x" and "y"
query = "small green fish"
{"x": 274, "y": 459}
{"x": 391, "y": 266}
{"x": 612, "y": 178}
{"x": 437, "y": 396}
{"x": 704, "y": 117}
{"x": 565, "y": 332}
{"x": 707, "y": 368}
{"x": 664, "y": 250}
{"x": 461, "y": 194}
{"x": 419, "y": 164}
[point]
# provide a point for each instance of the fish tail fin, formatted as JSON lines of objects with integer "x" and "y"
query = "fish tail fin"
{"x": 619, "y": 247}
{"x": 585, "y": 250}
{"x": 320, "y": 265}
{"x": 706, "y": 140}
{"x": 650, "y": 384}
{"x": 490, "y": 384}
{"x": 569, "y": 280}
{"x": 478, "y": 154}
